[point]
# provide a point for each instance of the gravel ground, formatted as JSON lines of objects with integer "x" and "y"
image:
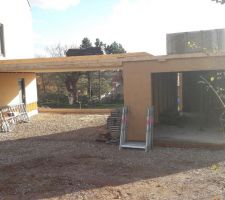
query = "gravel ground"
{"x": 56, "y": 157}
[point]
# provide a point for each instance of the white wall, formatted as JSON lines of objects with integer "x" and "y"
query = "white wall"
{"x": 31, "y": 91}
{"x": 16, "y": 17}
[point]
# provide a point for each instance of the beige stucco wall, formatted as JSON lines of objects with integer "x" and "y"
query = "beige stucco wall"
{"x": 138, "y": 88}
{"x": 137, "y": 96}
{"x": 9, "y": 90}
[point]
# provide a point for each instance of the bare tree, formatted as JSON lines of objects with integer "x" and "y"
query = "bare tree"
{"x": 58, "y": 50}
{"x": 70, "y": 79}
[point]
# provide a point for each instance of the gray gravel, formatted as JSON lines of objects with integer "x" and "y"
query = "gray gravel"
{"x": 56, "y": 157}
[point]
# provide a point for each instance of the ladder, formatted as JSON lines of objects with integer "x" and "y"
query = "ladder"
{"x": 148, "y": 144}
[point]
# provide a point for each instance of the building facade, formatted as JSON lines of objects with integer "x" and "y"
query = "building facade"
{"x": 16, "y": 42}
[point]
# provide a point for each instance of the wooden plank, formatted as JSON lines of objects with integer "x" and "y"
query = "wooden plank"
{"x": 75, "y": 111}
{"x": 73, "y": 63}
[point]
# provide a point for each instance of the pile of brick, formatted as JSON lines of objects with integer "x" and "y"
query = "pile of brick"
{"x": 112, "y": 134}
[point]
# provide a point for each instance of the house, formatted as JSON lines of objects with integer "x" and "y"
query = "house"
{"x": 16, "y": 42}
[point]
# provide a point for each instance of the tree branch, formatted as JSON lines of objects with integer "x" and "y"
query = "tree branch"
{"x": 214, "y": 91}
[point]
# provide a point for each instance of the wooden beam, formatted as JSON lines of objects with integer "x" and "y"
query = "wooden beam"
{"x": 75, "y": 111}
{"x": 73, "y": 63}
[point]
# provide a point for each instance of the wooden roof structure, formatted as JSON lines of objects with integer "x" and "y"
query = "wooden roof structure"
{"x": 73, "y": 63}
{"x": 164, "y": 63}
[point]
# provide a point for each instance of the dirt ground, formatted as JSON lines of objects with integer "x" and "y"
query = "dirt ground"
{"x": 57, "y": 157}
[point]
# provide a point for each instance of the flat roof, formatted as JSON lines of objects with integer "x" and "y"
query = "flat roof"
{"x": 182, "y": 63}
{"x": 73, "y": 63}
{"x": 99, "y": 62}
{"x": 183, "y": 56}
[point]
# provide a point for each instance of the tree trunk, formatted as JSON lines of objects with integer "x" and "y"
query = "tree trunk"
{"x": 71, "y": 86}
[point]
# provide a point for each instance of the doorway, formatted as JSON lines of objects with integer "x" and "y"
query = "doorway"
{"x": 22, "y": 93}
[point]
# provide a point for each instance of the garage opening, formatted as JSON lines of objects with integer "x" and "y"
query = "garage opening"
{"x": 187, "y": 110}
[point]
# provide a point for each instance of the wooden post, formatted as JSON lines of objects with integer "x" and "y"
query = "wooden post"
{"x": 99, "y": 86}
{"x": 89, "y": 89}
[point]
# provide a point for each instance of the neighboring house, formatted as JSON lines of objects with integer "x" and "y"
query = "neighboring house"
{"x": 16, "y": 43}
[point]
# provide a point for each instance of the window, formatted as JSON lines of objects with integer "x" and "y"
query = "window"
{"x": 2, "y": 45}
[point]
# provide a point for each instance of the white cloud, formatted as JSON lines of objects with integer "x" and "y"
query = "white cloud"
{"x": 54, "y": 4}
{"x": 141, "y": 25}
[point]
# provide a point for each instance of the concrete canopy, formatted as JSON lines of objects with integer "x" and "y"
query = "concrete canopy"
{"x": 69, "y": 64}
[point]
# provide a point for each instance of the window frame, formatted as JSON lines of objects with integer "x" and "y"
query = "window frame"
{"x": 2, "y": 41}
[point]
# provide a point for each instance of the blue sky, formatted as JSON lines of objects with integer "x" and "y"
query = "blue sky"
{"x": 139, "y": 25}
{"x": 52, "y": 26}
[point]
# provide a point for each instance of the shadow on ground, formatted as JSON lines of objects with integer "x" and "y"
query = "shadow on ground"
{"x": 68, "y": 162}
